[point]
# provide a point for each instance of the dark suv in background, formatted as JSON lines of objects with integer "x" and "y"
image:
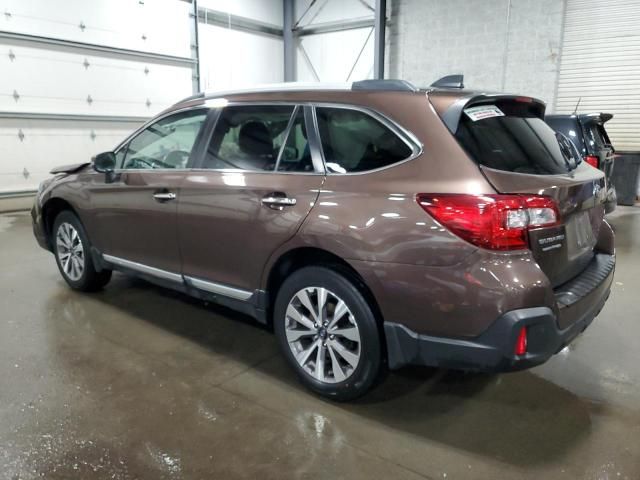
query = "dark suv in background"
{"x": 374, "y": 225}
{"x": 587, "y": 132}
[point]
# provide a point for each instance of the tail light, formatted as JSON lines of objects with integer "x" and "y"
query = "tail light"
{"x": 494, "y": 222}
{"x": 592, "y": 160}
{"x": 521, "y": 342}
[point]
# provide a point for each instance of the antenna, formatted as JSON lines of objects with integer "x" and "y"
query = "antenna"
{"x": 575, "y": 110}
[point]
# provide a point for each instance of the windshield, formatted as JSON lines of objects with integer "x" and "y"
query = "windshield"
{"x": 498, "y": 139}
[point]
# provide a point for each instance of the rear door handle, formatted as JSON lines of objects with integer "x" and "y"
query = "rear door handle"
{"x": 278, "y": 202}
{"x": 164, "y": 196}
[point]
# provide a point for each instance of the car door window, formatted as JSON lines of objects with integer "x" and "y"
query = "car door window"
{"x": 354, "y": 141}
{"x": 248, "y": 137}
{"x": 296, "y": 155}
{"x": 165, "y": 144}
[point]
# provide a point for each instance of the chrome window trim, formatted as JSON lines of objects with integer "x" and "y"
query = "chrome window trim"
{"x": 140, "y": 267}
{"x": 239, "y": 170}
{"x": 405, "y": 135}
{"x": 218, "y": 288}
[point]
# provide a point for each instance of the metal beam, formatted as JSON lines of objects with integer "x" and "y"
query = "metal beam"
{"x": 236, "y": 22}
{"x": 56, "y": 42}
{"x": 73, "y": 117}
{"x": 378, "y": 49}
{"x": 339, "y": 26}
{"x": 195, "y": 46}
{"x": 289, "y": 41}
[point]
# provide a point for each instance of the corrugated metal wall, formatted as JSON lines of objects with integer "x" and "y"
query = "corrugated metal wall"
{"x": 600, "y": 64}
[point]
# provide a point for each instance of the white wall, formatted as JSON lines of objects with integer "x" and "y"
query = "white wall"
{"x": 231, "y": 58}
{"x": 266, "y": 11}
{"x": 150, "y": 25}
{"x": 59, "y": 80}
{"x": 496, "y": 49}
{"x": 334, "y": 54}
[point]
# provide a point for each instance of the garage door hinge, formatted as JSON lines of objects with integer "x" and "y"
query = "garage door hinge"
{"x": 21, "y": 135}
{"x": 12, "y": 56}
{"x": 16, "y": 95}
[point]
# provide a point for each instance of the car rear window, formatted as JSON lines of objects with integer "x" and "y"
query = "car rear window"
{"x": 511, "y": 137}
{"x": 596, "y": 135}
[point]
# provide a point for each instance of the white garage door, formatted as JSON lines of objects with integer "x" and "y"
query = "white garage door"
{"x": 77, "y": 76}
{"x": 600, "y": 65}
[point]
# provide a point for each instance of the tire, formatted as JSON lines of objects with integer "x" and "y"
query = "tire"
{"x": 75, "y": 264}
{"x": 305, "y": 337}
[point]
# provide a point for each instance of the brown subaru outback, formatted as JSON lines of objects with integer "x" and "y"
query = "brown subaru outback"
{"x": 373, "y": 226}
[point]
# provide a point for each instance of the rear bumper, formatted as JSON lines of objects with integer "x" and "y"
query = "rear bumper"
{"x": 493, "y": 350}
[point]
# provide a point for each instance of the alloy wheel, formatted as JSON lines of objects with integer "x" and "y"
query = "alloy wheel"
{"x": 322, "y": 334}
{"x": 70, "y": 251}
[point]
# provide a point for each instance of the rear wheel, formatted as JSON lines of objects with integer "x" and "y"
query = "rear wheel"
{"x": 328, "y": 333}
{"x": 72, "y": 250}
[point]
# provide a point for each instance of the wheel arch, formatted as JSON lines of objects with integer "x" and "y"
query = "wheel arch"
{"x": 50, "y": 210}
{"x": 300, "y": 257}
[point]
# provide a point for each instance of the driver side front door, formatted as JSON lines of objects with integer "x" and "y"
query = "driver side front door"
{"x": 137, "y": 210}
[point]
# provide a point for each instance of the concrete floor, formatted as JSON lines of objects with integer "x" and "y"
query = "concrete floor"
{"x": 139, "y": 382}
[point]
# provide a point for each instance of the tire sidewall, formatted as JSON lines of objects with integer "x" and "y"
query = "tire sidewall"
{"x": 370, "y": 362}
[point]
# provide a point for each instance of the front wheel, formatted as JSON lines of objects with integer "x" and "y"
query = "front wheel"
{"x": 72, "y": 250}
{"x": 328, "y": 333}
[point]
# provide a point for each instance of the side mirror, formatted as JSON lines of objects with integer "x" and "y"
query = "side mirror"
{"x": 104, "y": 162}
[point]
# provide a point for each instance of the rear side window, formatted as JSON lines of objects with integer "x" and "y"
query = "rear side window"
{"x": 354, "y": 141}
{"x": 513, "y": 140}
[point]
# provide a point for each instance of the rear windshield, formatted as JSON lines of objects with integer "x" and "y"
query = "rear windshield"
{"x": 511, "y": 137}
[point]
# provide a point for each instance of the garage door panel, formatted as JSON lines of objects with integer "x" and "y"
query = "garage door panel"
{"x": 33, "y": 147}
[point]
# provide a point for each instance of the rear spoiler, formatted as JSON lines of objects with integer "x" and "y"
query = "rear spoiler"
{"x": 451, "y": 117}
{"x": 603, "y": 117}
{"x": 74, "y": 167}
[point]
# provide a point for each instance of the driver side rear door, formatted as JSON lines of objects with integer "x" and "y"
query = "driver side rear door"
{"x": 137, "y": 209}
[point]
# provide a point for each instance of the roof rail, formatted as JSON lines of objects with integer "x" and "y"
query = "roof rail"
{"x": 195, "y": 96}
{"x": 450, "y": 81}
{"x": 390, "y": 84}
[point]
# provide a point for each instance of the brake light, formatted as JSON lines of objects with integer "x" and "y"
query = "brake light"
{"x": 592, "y": 160}
{"x": 494, "y": 222}
{"x": 521, "y": 342}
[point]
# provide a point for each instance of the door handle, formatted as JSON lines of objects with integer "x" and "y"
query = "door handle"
{"x": 164, "y": 196}
{"x": 278, "y": 202}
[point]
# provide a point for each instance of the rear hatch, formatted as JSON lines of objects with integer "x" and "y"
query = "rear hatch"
{"x": 597, "y": 140}
{"x": 519, "y": 153}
